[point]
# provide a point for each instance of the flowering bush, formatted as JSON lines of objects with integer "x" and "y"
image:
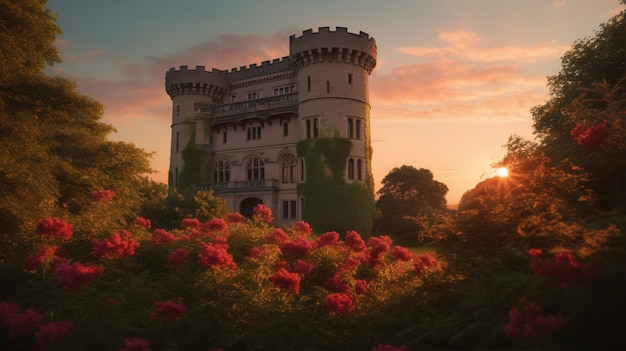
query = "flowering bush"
{"x": 170, "y": 310}
{"x": 529, "y": 322}
{"x": 119, "y": 245}
{"x": 562, "y": 269}
{"x": 102, "y": 195}
{"x": 54, "y": 228}
{"x": 589, "y": 137}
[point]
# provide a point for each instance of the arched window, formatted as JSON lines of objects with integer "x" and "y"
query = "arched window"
{"x": 349, "y": 128}
{"x": 351, "y": 168}
{"x": 288, "y": 167}
{"x": 357, "y": 133}
{"x": 308, "y": 129}
{"x": 221, "y": 173}
{"x": 316, "y": 128}
{"x": 359, "y": 170}
{"x": 255, "y": 169}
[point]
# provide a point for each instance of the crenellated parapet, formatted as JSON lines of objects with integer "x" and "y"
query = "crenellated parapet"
{"x": 333, "y": 46}
{"x": 197, "y": 81}
{"x": 267, "y": 70}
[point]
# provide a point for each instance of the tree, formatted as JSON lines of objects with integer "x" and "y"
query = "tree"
{"x": 407, "y": 192}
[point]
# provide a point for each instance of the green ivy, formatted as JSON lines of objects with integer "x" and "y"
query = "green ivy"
{"x": 331, "y": 203}
{"x": 196, "y": 164}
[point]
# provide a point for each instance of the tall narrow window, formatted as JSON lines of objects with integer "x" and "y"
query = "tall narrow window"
{"x": 308, "y": 83}
{"x": 351, "y": 169}
{"x": 285, "y": 209}
{"x": 327, "y": 87}
{"x": 349, "y": 128}
{"x": 177, "y": 140}
{"x": 350, "y": 78}
{"x": 285, "y": 128}
{"x": 316, "y": 128}
{"x": 293, "y": 210}
{"x": 224, "y": 137}
{"x": 221, "y": 172}
{"x": 177, "y": 110}
{"x": 255, "y": 169}
{"x": 288, "y": 167}
{"x": 359, "y": 170}
{"x": 308, "y": 129}
{"x": 358, "y": 129}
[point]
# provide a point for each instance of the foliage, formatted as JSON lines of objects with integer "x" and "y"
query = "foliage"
{"x": 196, "y": 164}
{"x": 330, "y": 203}
{"x": 168, "y": 212}
{"x": 408, "y": 200}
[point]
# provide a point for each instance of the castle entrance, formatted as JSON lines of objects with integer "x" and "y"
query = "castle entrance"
{"x": 246, "y": 206}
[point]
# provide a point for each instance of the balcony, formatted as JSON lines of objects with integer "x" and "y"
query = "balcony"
{"x": 277, "y": 104}
{"x": 245, "y": 186}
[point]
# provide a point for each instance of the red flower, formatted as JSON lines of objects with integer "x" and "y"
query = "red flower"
{"x": 360, "y": 286}
{"x": 234, "y": 217}
{"x": 336, "y": 283}
{"x": 54, "y": 227}
{"x": 299, "y": 246}
{"x": 303, "y": 228}
{"x": 302, "y": 267}
{"x": 52, "y": 333}
{"x": 286, "y": 280}
{"x": 7, "y": 312}
{"x": 590, "y": 137}
{"x": 402, "y": 254}
{"x": 530, "y": 322}
{"x": 354, "y": 241}
{"x": 424, "y": 262}
{"x": 142, "y": 222}
{"x": 379, "y": 246}
{"x": 339, "y": 303}
{"x": 119, "y": 245}
{"x": 170, "y": 311}
{"x": 562, "y": 270}
{"x": 191, "y": 223}
{"x": 23, "y": 324}
{"x": 215, "y": 256}
{"x": 328, "y": 238}
{"x": 75, "y": 275}
{"x": 177, "y": 257}
{"x": 263, "y": 213}
{"x": 136, "y": 344}
{"x": 102, "y": 195}
{"x": 382, "y": 347}
{"x": 277, "y": 236}
{"x": 216, "y": 225}
{"x": 43, "y": 255}
{"x": 160, "y": 237}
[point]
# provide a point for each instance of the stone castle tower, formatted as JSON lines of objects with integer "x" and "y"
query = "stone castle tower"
{"x": 292, "y": 133}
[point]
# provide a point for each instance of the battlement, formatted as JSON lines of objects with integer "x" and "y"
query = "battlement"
{"x": 326, "y": 30}
{"x": 183, "y": 69}
{"x": 266, "y": 68}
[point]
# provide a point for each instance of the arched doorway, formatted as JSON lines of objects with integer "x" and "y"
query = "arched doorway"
{"x": 246, "y": 206}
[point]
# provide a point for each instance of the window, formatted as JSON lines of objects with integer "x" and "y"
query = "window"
{"x": 308, "y": 129}
{"x": 177, "y": 110}
{"x": 233, "y": 98}
{"x": 351, "y": 168}
{"x": 357, "y": 132}
{"x": 255, "y": 169}
{"x": 316, "y": 128}
{"x": 359, "y": 170}
{"x": 254, "y": 95}
{"x": 177, "y": 140}
{"x": 289, "y": 209}
{"x": 284, "y": 90}
{"x": 350, "y": 78}
{"x": 349, "y": 128}
{"x": 327, "y": 87}
{"x": 254, "y": 133}
{"x": 288, "y": 167}
{"x": 221, "y": 172}
{"x": 224, "y": 137}
{"x": 308, "y": 83}
{"x": 285, "y": 128}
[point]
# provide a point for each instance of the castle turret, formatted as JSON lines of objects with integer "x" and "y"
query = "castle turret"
{"x": 192, "y": 92}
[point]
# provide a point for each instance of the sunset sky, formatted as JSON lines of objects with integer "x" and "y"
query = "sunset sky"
{"x": 454, "y": 79}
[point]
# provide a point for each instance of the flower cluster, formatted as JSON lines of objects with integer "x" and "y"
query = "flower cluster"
{"x": 425, "y": 262}
{"x": 589, "y": 137}
{"x": 170, "y": 311}
{"x": 215, "y": 256}
{"x": 401, "y": 253}
{"x": 263, "y": 213}
{"x": 102, "y": 195}
{"x": 28, "y": 323}
{"x": 277, "y": 236}
{"x": 328, "y": 238}
{"x": 234, "y": 217}
{"x": 562, "y": 269}
{"x": 303, "y": 228}
{"x": 298, "y": 246}
{"x": 529, "y": 322}
{"x": 52, "y": 333}
{"x": 379, "y": 246}
{"x": 354, "y": 241}
{"x": 43, "y": 255}
{"x": 160, "y": 237}
{"x": 76, "y": 275}
{"x": 177, "y": 257}
{"x": 190, "y": 223}
{"x": 55, "y": 228}
{"x": 119, "y": 245}
{"x": 339, "y": 303}
{"x": 286, "y": 280}
{"x": 142, "y": 222}
{"x": 136, "y": 344}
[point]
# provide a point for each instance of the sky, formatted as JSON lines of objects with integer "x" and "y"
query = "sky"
{"x": 454, "y": 78}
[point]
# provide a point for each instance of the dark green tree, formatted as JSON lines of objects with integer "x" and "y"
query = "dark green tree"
{"x": 408, "y": 192}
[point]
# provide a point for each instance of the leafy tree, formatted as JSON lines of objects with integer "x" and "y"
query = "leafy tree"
{"x": 408, "y": 192}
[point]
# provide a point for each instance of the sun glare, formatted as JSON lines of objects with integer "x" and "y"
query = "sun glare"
{"x": 502, "y": 172}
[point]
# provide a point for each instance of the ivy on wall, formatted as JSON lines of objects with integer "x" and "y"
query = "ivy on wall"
{"x": 196, "y": 164}
{"x": 330, "y": 202}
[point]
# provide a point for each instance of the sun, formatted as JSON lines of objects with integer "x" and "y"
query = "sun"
{"x": 502, "y": 172}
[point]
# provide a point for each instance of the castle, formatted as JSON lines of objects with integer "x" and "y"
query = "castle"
{"x": 292, "y": 133}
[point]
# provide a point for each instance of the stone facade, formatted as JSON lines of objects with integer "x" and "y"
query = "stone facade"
{"x": 247, "y": 122}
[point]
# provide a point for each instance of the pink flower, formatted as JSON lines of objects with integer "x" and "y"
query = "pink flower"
{"x": 234, "y": 217}
{"x": 299, "y": 246}
{"x": 190, "y": 223}
{"x": 52, "y": 333}
{"x": 215, "y": 256}
{"x": 119, "y": 245}
{"x": 286, "y": 280}
{"x": 136, "y": 344}
{"x": 263, "y": 213}
{"x": 336, "y": 283}
{"x": 216, "y": 225}
{"x": 142, "y": 222}
{"x": 170, "y": 311}
{"x": 590, "y": 137}
{"x": 55, "y": 228}
{"x": 160, "y": 237}
{"x": 401, "y": 254}
{"x": 360, "y": 286}
{"x": 265, "y": 250}
{"x": 43, "y": 255}
{"x": 328, "y": 238}
{"x": 382, "y": 347}
{"x": 277, "y": 236}
{"x": 302, "y": 267}
{"x": 354, "y": 241}
{"x": 102, "y": 195}
{"x": 529, "y": 322}
{"x": 73, "y": 276}
{"x": 424, "y": 262}
{"x": 303, "y": 228}
{"x": 177, "y": 257}
{"x": 379, "y": 246}
{"x": 23, "y": 324}
{"x": 339, "y": 303}
{"x": 563, "y": 269}
{"x": 7, "y": 312}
